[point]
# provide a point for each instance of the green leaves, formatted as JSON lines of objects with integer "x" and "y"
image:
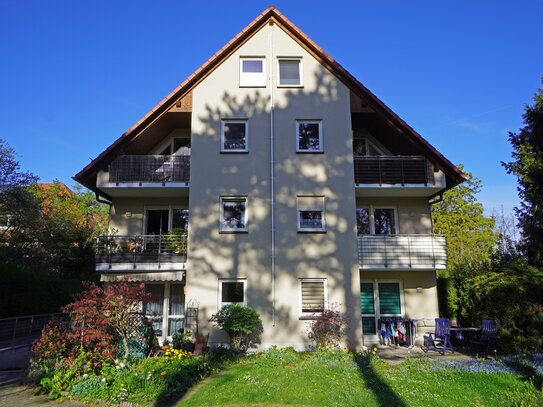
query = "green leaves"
{"x": 471, "y": 240}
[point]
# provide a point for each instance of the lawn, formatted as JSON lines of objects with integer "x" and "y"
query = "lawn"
{"x": 342, "y": 379}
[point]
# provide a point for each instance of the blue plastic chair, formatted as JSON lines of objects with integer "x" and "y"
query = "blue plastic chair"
{"x": 489, "y": 331}
{"x": 441, "y": 336}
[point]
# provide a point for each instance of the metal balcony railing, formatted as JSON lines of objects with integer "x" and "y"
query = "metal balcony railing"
{"x": 393, "y": 170}
{"x": 141, "y": 249}
{"x": 402, "y": 251}
{"x": 150, "y": 168}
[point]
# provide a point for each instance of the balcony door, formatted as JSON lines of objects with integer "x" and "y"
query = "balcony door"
{"x": 157, "y": 221}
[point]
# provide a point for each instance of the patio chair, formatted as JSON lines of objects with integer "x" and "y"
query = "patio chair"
{"x": 486, "y": 339}
{"x": 441, "y": 336}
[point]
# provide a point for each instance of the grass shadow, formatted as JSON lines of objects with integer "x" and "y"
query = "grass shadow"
{"x": 384, "y": 394}
{"x": 527, "y": 371}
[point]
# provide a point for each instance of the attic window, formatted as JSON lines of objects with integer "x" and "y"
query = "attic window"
{"x": 364, "y": 147}
{"x": 290, "y": 72}
{"x": 252, "y": 72}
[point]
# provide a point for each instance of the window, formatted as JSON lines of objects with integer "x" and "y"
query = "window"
{"x": 5, "y": 221}
{"x": 177, "y": 146}
{"x": 233, "y": 216}
{"x": 232, "y": 292}
{"x": 308, "y": 136}
{"x": 252, "y": 72}
{"x": 290, "y": 72}
{"x": 168, "y": 297}
{"x": 234, "y": 136}
{"x": 161, "y": 220}
{"x": 364, "y": 147}
{"x": 311, "y": 214}
{"x": 376, "y": 221}
{"x": 313, "y": 296}
{"x": 379, "y": 299}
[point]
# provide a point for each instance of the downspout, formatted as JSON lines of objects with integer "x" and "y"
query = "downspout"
{"x": 272, "y": 177}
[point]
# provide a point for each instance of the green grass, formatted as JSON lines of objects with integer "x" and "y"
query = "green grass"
{"x": 340, "y": 379}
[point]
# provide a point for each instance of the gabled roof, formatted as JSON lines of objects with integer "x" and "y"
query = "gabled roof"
{"x": 87, "y": 176}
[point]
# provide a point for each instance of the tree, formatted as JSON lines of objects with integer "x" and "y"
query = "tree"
{"x": 471, "y": 240}
{"x": 15, "y": 199}
{"x": 527, "y": 165}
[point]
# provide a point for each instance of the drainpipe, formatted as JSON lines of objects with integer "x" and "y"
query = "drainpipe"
{"x": 272, "y": 177}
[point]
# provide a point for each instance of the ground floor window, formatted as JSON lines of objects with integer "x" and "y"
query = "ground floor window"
{"x": 379, "y": 299}
{"x": 166, "y": 310}
{"x": 232, "y": 291}
{"x": 313, "y": 296}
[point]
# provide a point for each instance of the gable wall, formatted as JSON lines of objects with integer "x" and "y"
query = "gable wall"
{"x": 331, "y": 255}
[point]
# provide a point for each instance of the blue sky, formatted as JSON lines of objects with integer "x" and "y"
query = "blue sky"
{"x": 74, "y": 75}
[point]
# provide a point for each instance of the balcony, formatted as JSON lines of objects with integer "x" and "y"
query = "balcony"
{"x": 396, "y": 176}
{"x": 141, "y": 253}
{"x": 140, "y": 175}
{"x": 402, "y": 252}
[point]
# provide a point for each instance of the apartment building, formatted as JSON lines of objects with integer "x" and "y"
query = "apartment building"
{"x": 271, "y": 177}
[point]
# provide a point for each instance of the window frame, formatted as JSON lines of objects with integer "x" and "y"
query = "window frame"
{"x": 321, "y": 138}
{"x": 169, "y": 208}
{"x": 371, "y": 209}
{"x": 300, "y": 72}
{"x": 247, "y": 82}
{"x": 220, "y": 302}
{"x": 300, "y": 229}
{"x": 312, "y": 315}
{"x": 166, "y": 302}
{"x": 223, "y": 229}
{"x": 235, "y": 121}
{"x": 377, "y": 306}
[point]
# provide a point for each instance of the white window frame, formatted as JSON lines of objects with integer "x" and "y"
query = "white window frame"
{"x": 220, "y": 302}
{"x": 235, "y": 121}
{"x": 371, "y": 209}
{"x": 222, "y": 228}
{"x": 252, "y": 79}
{"x": 323, "y": 214}
{"x": 300, "y": 67}
{"x": 312, "y": 315}
{"x": 7, "y": 225}
{"x": 321, "y": 138}
{"x": 377, "y": 305}
{"x": 166, "y": 307}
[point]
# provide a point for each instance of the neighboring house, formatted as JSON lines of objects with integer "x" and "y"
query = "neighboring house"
{"x": 271, "y": 177}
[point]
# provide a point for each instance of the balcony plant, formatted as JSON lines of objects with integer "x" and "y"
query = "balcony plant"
{"x": 175, "y": 240}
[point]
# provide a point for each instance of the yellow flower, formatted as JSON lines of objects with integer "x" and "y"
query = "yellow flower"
{"x": 163, "y": 373}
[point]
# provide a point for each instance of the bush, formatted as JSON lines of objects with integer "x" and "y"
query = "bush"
{"x": 512, "y": 295}
{"x": 328, "y": 329}
{"x": 241, "y": 323}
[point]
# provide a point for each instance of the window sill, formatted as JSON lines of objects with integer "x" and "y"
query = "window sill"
{"x": 253, "y": 86}
{"x": 225, "y": 232}
{"x": 290, "y": 86}
{"x": 311, "y": 231}
{"x": 234, "y": 151}
{"x": 309, "y": 151}
{"x": 309, "y": 317}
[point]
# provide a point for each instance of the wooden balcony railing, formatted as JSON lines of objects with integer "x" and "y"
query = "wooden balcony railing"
{"x": 141, "y": 249}
{"x": 393, "y": 170}
{"x": 150, "y": 168}
{"x": 402, "y": 252}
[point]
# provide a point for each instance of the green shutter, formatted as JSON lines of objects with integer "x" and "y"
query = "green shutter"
{"x": 366, "y": 298}
{"x": 389, "y": 299}
{"x": 368, "y": 326}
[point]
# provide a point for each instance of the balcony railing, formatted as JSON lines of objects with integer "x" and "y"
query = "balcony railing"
{"x": 150, "y": 168}
{"x": 393, "y": 170}
{"x": 402, "y": 252}
{"x": 141, "y": 249}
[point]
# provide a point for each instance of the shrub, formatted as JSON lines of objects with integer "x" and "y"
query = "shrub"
{"x": 328, "y": 329}
{"x": 241, "y": 323}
